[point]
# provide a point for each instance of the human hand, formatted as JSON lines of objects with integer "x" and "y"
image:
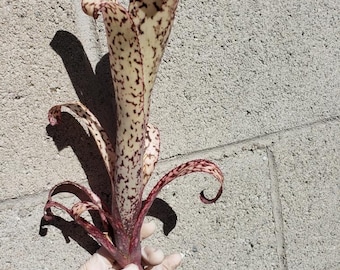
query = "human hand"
{"x": 153, "y": 259}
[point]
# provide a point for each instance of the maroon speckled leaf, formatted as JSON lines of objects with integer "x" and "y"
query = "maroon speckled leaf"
{"x": 84, "y": 194}
{"x": 198, "y": 165}
{"x": 154, "y": 19}
{"x": 89, "y": 201}
{"x": 151, "y": 154}
{"x": 127, "y": 73}
{"x": 97, "y": 131}
{"x": 136, "y": 41}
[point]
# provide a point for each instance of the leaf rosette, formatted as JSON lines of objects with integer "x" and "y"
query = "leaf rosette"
{"x": 136, "y": 39}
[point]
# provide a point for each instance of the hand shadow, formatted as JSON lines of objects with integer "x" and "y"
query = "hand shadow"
{"x": 95, "y": 91}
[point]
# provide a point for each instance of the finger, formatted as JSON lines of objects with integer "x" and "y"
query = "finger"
{"x": 170, "y": 262}
{"x": 147, "y": 229}
{"x": 152, "y": 256}
{"x": 131, "y": 267}
{"x": 97, "y": 262}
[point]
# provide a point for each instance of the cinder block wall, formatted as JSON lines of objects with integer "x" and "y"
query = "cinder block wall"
{"x": 251, "y": 85}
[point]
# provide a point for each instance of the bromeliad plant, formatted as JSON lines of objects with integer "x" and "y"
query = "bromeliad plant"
{"x": 136, "y": 39}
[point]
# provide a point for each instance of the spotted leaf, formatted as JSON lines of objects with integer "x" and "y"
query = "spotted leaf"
{"x": 153, "y": 19}
{"x": 127, "y": 73}
{"x": 97, "y": 131}
{"x": 198, "y": 165}
{"x": 151, "y": 155}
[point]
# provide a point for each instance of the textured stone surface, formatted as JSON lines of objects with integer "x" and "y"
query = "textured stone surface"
{"x": 23, "y": 247}
{"x": 237, "y": 232}
{"x": 308, "y": 174}
{"x": 251, "y": 85}
{"x": 33, "y": 79}
{"x": 236, "y": 69}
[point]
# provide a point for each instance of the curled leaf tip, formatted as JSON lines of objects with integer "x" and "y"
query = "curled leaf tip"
{"x": 54, "y": 115}
{"x": 84, "y": 115}
{"x": 48, "y": 217}
{"x": 197, "y": 165}
{"x": 91, "y": 7}
{"x": 205, "y": 200}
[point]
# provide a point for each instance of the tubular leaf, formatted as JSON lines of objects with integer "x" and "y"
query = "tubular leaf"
{"x": 154, "y": 19}
{"x": 127, "y": 73}
{"x": 151, "y": 155}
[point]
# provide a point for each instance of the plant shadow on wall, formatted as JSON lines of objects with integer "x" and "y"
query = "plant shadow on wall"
{"x": 95, "y": 91}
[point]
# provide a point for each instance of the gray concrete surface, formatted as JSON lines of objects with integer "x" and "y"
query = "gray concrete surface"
{"x": 252, "y": 85}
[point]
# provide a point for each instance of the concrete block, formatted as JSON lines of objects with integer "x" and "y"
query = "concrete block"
{"x": 237, "y": 232}
{"x": 308, "y": 174}
{"x": 48, "y": 65}
{"x": 33, "y": 79}
{"x": 22, "y": 246}
{"x": 240, "y": 69}
{"x": 251, "y": 85}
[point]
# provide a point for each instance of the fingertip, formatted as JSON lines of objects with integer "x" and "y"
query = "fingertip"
{"x": 131, "y": 267}
{"x": 148, "y": 229}
{"x": 172, "y": 261}
{"x": 152, "y": 256}
{"x": 98, "y": 262}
